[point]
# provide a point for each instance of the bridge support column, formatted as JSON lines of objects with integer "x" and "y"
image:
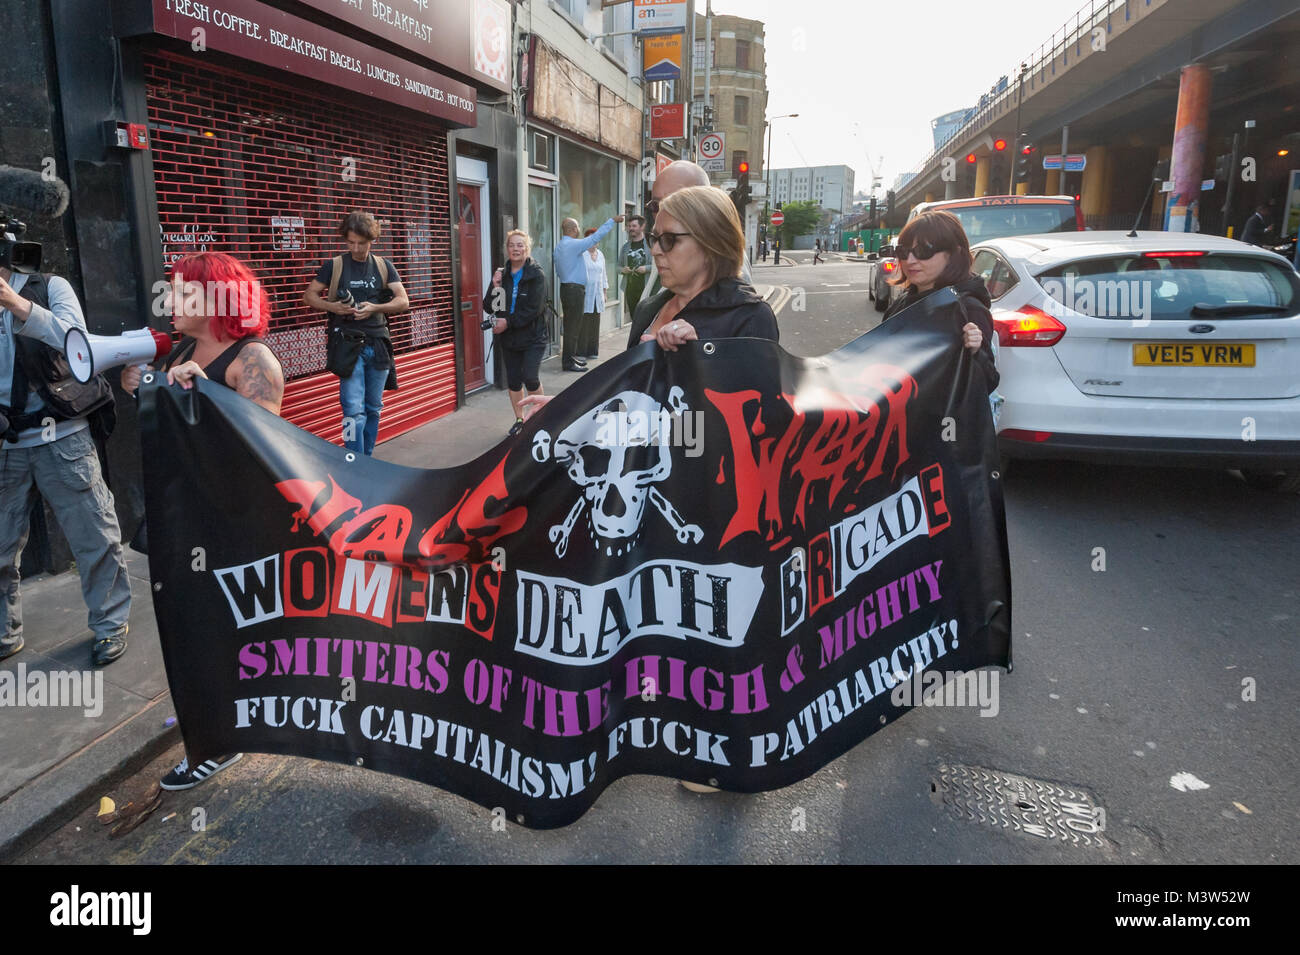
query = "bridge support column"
{"x": 1094, "y": 199}
{"x": 1188, "y": 157}
{"x": 982, "y": 176}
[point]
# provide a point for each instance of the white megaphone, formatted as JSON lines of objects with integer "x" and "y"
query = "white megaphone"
{"x": 88, "y": 355}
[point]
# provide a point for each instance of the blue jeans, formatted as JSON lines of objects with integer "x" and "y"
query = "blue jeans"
{"x": 362, "y": 396}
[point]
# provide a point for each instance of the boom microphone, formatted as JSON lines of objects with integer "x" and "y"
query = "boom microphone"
{"x": 32, "y": 192}
{"x": 89, "y": 355}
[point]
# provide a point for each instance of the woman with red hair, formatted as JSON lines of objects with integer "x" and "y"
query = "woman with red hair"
{"x": 220, "y": 309}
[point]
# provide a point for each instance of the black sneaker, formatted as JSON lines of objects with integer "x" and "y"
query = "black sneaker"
{"x": 182, "y": 777}
{"x": 107, "y": 649}
{"x": 516, "y": 427}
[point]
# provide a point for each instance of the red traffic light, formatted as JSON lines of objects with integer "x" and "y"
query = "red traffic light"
{"x": 1027, "y": 150}
{"x": 970, "y": 157}
{"x": 999, "y": 144}
{"x": 743, "y": 168}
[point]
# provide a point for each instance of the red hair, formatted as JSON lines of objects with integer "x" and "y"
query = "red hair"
{"x": 235, "y": 301}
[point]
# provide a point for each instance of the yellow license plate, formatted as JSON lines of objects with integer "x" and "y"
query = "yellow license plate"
{"x": 1196, "y": 354}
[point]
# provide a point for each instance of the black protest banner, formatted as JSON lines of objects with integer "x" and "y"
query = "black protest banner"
{"x": 718, "y": 565}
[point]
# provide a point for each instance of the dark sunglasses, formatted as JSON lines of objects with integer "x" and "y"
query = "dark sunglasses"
{"x": 923, "y": 251}
{"x": 666, "y": 240}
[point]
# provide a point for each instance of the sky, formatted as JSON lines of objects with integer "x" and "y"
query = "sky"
{"x": 866, "y": 76}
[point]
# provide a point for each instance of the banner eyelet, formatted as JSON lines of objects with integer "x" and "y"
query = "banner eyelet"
{"x": 148, "y": 379}
{"x": 350, "y": 456}
{"x": 710, "y": 348}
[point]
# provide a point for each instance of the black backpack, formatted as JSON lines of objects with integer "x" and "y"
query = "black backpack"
{"x": 48, "y": 371}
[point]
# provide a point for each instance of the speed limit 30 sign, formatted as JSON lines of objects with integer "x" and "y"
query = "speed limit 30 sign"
{"x": 711, "y": 150}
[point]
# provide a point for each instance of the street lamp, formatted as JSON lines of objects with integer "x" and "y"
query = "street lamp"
{"x": 767, "y": 165}
{"x": 1020, "y": 99}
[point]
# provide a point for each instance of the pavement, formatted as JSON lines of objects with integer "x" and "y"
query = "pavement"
{"x": 58, "y": 760}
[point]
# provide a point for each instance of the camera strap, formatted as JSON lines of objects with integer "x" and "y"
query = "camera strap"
{"x": 336, "y": 277}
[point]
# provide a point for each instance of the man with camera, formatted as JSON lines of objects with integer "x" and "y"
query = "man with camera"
{"x": 362, "y": 291}
{"x": 47, "y": 446}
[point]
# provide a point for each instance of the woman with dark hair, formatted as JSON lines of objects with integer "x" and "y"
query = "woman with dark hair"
{"x": 221, "y": 310}
{"x": 933, "y": 253}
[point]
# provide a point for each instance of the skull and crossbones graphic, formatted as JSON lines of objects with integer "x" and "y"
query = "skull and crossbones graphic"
{"x": 618, "y": 476}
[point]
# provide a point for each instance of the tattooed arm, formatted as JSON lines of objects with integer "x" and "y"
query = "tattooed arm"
{"x": 256, "y": 374}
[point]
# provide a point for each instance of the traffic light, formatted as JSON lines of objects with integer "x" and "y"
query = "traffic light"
{"x": 740, "y": 195}
{"x": 967, "y": 183}
{"x": 998, "y": 173}
{"x": 871, "y": 215}
{"x": 1025, "y": 158}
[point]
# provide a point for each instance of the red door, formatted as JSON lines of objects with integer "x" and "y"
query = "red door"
{"x": 471, "y": 286}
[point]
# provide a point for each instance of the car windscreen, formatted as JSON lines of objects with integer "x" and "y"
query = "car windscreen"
{"x": 1175, "y": 286}
{"x": 996, "y": 222}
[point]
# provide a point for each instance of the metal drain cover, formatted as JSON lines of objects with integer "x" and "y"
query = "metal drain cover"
{"x": 1030, "y": 806}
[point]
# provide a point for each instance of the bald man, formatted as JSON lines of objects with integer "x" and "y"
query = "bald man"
{"x": 573, "y": 283}
{"x": 680, "y": 175}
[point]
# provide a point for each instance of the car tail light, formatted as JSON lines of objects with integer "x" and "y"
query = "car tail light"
{"x": 889, "y": 265}
{"x": 1173, "y": 255}
{"x": 1078, "y": 215}
{"x": 1016, "y": 434}
{"x": 1027, "y": 326}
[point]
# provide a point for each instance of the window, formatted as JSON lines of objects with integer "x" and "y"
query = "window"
{"x": 699, "y": 54}
{"x": 742, "y": 54}
{"x": 588, "y": 191}
{"x": 1175, "y": 287}
{"x": 542, "y": 156}
{"x": 742, "y": 110}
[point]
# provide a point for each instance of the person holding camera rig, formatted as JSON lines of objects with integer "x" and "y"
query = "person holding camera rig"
{"x": 363, "y": 290}
{"x": 47, "y": 419}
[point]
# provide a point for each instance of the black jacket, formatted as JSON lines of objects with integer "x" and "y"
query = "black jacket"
{"x": 526, "y": 325}
{"x": 972, "y": 306}
{"x": 729, "y": 308}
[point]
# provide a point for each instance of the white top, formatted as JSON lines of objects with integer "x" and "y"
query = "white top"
{"x": 597, "y": 282}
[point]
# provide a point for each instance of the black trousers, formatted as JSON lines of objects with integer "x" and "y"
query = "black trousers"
{"x": 589, "y": 341}
{"x": 572, "y": 297}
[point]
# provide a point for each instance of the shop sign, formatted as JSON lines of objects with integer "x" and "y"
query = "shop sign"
{"x": 263, "y": 34}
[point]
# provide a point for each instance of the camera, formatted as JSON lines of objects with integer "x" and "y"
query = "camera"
{"x": 345, "y": 297}
{"x": 17, "y": 256}
{"x": 487, "y": 324}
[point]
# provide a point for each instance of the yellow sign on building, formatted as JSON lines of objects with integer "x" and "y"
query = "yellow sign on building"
{"x": 661, "y": 57}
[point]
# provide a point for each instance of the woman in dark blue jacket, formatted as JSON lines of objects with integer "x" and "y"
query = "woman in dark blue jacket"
{"x": 516, "y": 300}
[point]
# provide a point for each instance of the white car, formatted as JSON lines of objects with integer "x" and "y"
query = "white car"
{"x": 1163, "y": 348}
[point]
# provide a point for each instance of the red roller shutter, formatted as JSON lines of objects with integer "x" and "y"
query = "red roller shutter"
{"x": 239, "y": 160}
